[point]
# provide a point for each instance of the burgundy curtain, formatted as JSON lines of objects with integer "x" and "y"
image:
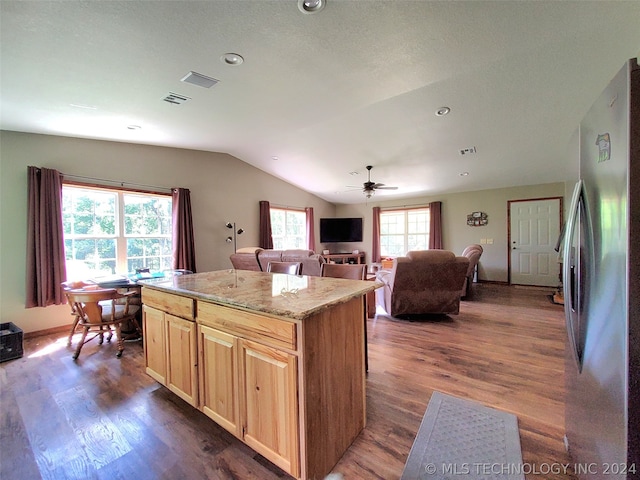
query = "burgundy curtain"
{"x": 266, "y": 240}
{"x": 435, "y": 225}
{"x": 375, "y": 253}
{"x": 311, "y": 232}
{"x": 46, "y": 268}
{"x": 184, "y": 250}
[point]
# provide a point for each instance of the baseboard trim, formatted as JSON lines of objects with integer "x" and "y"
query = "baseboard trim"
{"x": 48, "y": 331}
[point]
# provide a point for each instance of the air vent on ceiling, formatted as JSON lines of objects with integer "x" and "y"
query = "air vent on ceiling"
{"x": 176, "y": 98}
{"x": 198, "y": 79}
{"x": 467, "y": 151}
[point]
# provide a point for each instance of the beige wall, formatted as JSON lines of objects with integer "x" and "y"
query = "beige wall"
{"x": 223, "y": 189}
{"x": 456, "y": 233}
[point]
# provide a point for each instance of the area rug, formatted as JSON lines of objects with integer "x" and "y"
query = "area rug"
{"x": 462, "y": 439}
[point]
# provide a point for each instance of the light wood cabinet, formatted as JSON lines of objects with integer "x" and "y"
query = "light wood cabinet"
{"x": 219, "y": 377}
{"x": 170, "y": 344}
{"x": 269, "y": 398}
{"x": 155, "y": 344}
{"x": 182, "y": 358}
{"x": 250, "y": 388}
{"x": 293, "y": 389}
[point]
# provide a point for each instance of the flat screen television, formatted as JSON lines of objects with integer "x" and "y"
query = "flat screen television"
{"x": 335, "y": 230}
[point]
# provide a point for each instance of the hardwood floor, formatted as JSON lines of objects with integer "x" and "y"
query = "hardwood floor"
{"x": 103, "y": 417}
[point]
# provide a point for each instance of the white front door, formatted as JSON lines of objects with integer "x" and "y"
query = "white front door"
{"x": 534, "y": 230}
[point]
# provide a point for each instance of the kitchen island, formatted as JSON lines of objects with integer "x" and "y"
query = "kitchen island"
{"x": 278, "y": 360}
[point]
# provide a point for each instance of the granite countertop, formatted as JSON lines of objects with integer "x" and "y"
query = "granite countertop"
{"x": 291, "y": 296}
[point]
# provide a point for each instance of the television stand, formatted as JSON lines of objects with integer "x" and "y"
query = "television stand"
{"x": 345, "y": 257}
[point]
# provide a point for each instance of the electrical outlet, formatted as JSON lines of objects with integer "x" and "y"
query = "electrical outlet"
{"x": 489, "y": 241}
{"x": 483, "y": 241}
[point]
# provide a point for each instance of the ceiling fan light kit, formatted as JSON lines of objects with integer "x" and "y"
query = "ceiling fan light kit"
{"x": 369, "y": 188}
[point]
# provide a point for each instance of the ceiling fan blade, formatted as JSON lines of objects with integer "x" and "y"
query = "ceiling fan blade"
{"x": 386, "y": 188}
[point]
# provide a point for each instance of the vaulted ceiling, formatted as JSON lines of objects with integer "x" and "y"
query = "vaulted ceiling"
{"x": 321, "y": 96}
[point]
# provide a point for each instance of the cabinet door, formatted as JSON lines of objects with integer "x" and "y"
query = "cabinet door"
{"x": 182, "y": 374}
{"x": 270, "y": 404}
{"x": 155, "y": 349}
{"x": 219, "y": 377}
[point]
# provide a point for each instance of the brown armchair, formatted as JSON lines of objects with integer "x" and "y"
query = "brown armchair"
{"x": 473, "y": 253}
{"x": 423, "y": 282}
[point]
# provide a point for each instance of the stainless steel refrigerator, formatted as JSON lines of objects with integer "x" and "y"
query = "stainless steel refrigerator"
{"x": 601, "y": 281}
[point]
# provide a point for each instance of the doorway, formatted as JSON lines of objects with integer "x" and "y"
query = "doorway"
{"x": 534, "y": 228}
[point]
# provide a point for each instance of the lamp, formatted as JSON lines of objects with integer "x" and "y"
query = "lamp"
{"x": 230, "y": 238}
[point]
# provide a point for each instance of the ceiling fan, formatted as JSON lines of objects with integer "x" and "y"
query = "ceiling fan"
{"x": 369, "y": 188}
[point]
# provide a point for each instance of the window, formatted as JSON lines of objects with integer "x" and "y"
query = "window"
{"x": 403, "y": 230}
{"x": 288, "y": 228}
{"x": 114, "y": 231}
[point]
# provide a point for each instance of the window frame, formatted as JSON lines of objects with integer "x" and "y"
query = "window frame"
{"x": 121, "y": 237}
{"x": 288, "y": 245}
{"x": 407, "y": 232}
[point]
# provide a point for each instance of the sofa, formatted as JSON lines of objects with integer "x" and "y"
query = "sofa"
{"x": 423, "y": 282}
{"x": 257, "y": 259}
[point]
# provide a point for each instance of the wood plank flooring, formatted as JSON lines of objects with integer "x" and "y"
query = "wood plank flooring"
{"x": 103, "y": 417}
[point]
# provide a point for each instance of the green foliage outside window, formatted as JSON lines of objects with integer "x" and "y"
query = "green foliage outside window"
{"x": 288, "y": 229}
{"x": 403, "y": 230}
{"x": 111, "y": 231}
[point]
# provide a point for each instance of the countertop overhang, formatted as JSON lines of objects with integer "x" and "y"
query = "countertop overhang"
{"x": 292, "y": 296}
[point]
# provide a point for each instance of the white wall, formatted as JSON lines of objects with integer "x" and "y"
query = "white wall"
{"x": 456, "y": 233}
{"x": 223, "y": 189}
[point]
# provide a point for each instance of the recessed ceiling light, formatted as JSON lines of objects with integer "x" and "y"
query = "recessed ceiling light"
{"x": 274, "y": 158}
{"x": 353, "y": 174}
{"x": 232, "y": 59}
{"x": 442, "y": 111}
{"x": 311, "y": 6}
{"x": 134, "y": 127}
{"x": 464, "y": 174}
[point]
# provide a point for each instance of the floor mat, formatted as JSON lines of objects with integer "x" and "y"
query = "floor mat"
{"x": 465, "y": 440}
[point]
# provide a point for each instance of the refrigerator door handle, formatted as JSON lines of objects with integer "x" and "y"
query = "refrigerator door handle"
{"x": 571, "y": 273}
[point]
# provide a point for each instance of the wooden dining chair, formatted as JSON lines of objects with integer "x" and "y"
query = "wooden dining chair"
{"x": 292, "y": 268}
{"x": 353, "y": 271}
{"x": 350, "y": 271}
{"x": 76, "y": 285}
{"x": 98, "y": 310}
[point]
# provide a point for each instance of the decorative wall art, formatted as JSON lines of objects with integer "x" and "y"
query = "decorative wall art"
{"x": 477, "y": 219}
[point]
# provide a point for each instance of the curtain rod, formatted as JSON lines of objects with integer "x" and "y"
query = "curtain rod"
{"x": 286, "y": 206}
{"x": 417, "y": 205}
{"x": 108, "y": 183}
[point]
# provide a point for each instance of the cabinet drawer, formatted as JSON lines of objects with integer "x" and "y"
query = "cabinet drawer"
{"x": 268, "y": 330}
{"x": 168, "y": 302}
